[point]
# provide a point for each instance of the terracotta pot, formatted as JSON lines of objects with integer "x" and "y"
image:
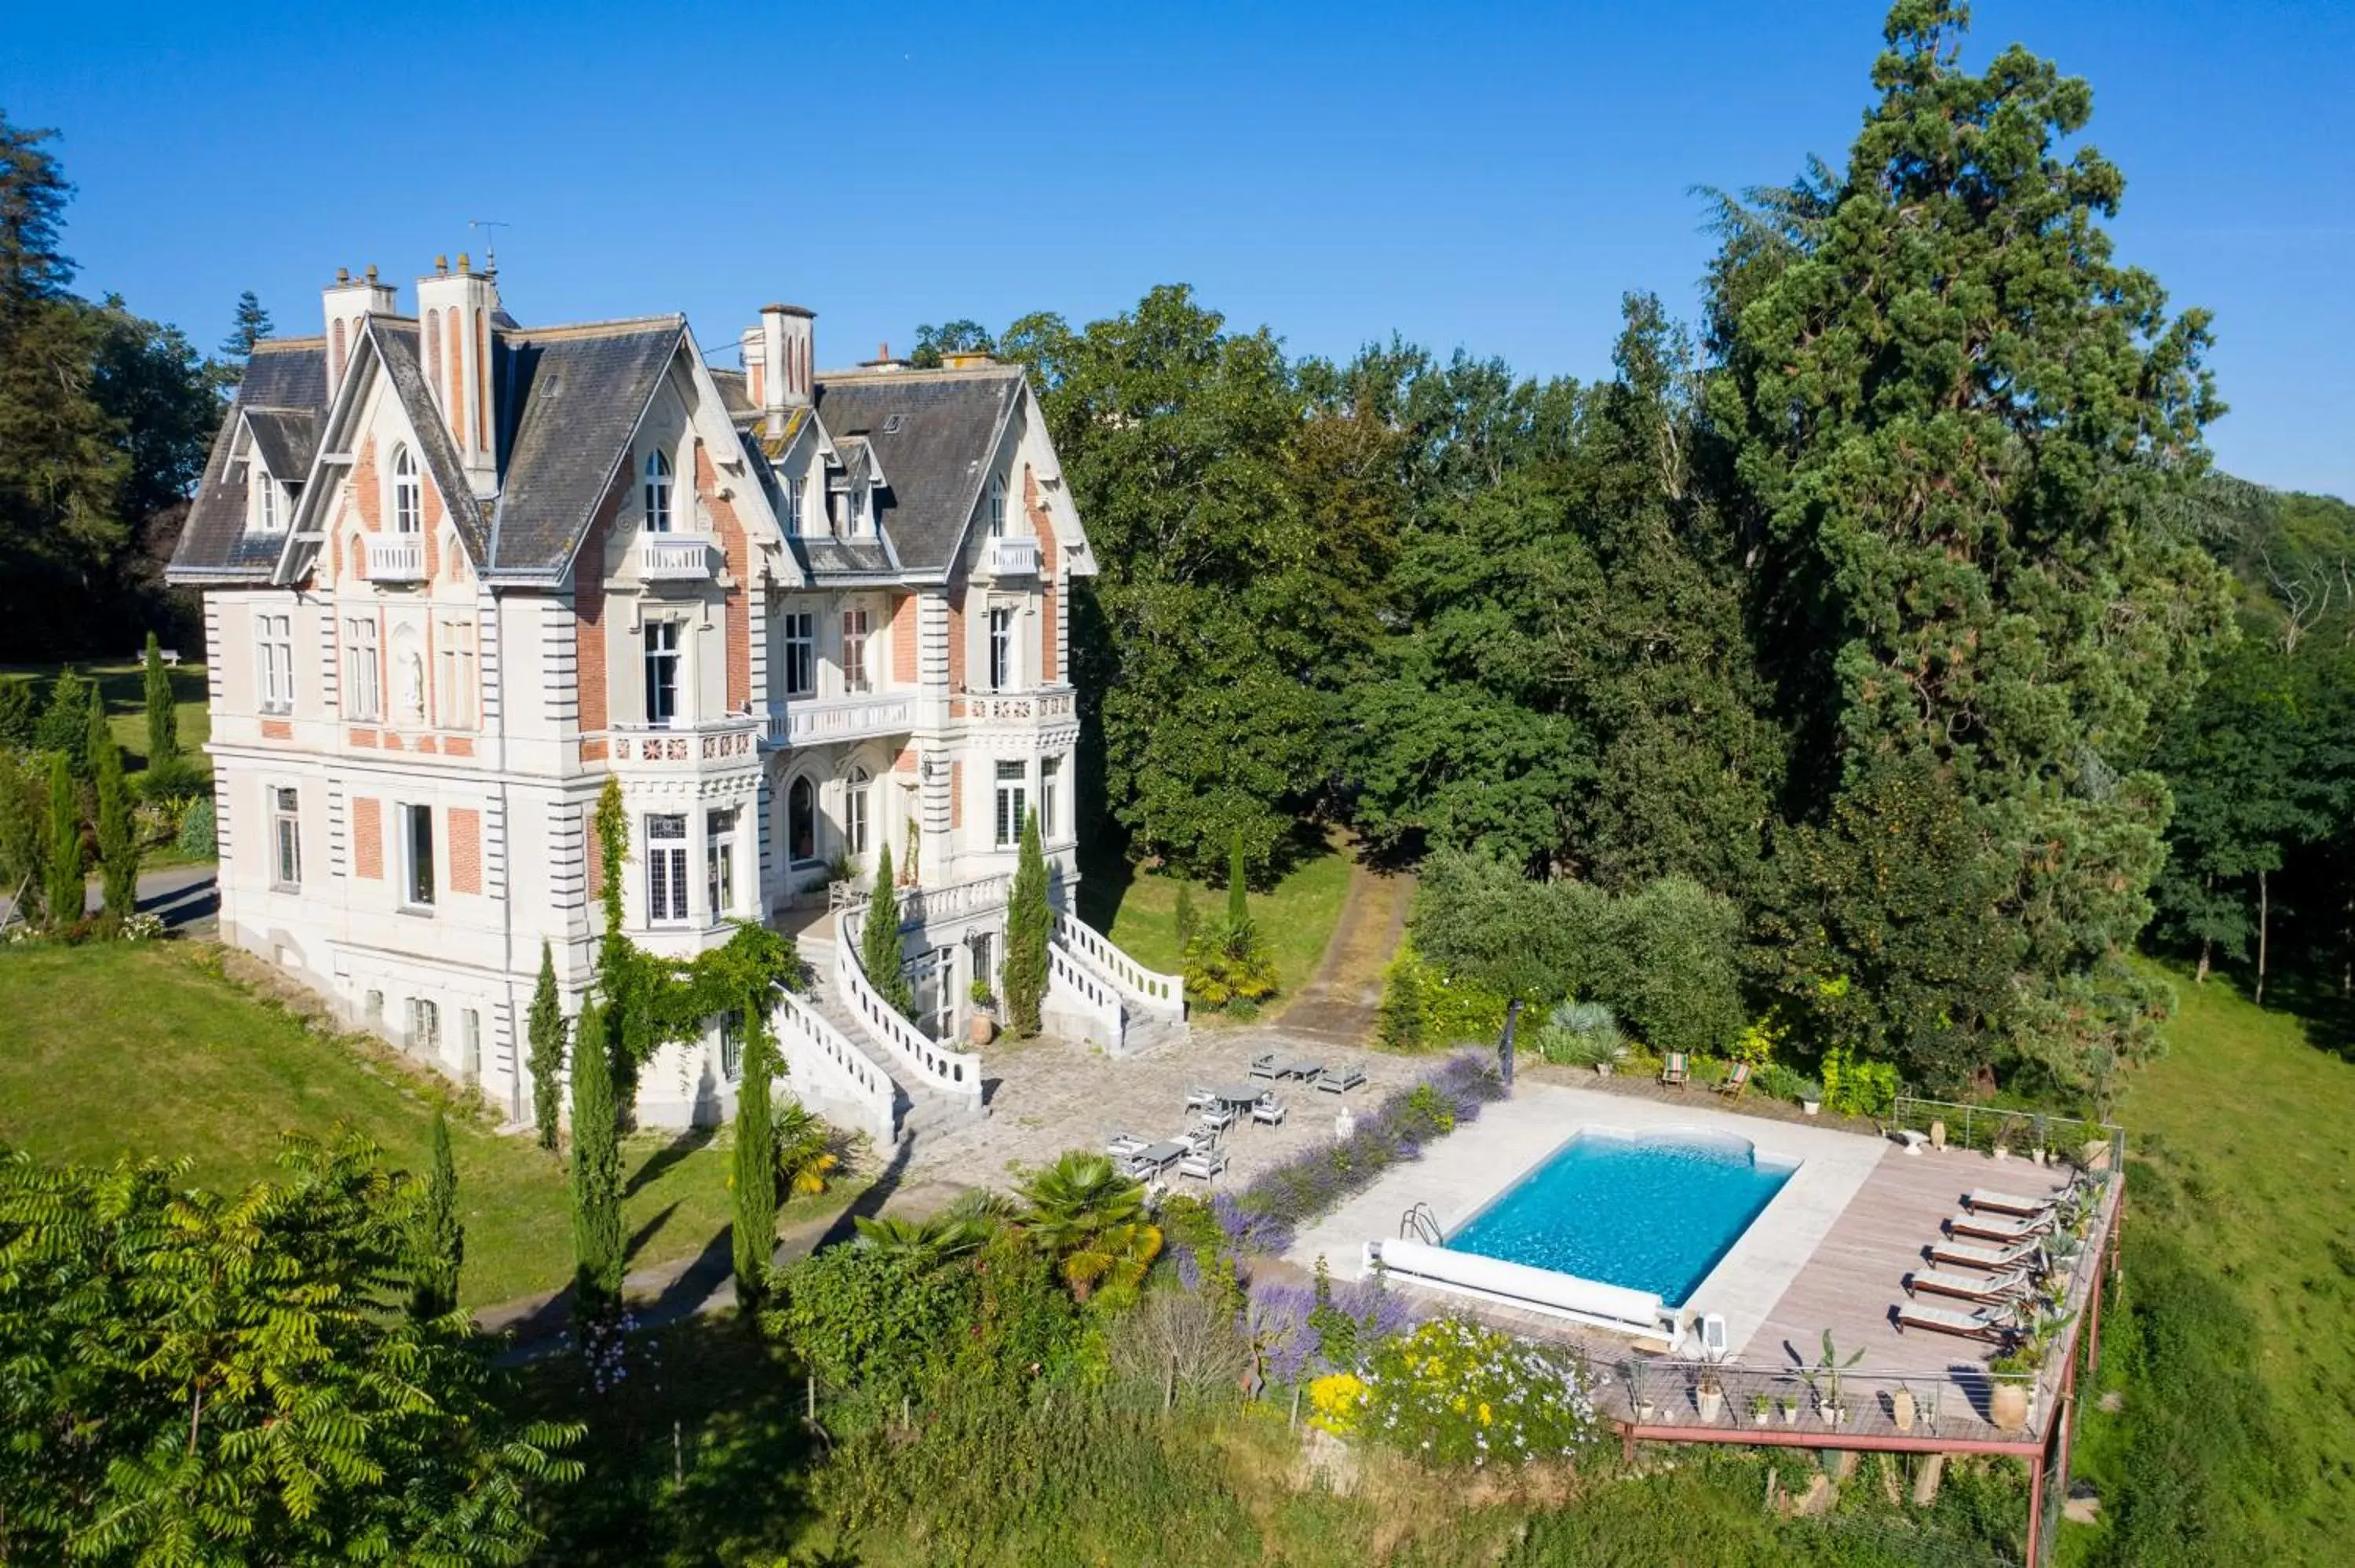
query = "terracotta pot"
{"x": 1900, "y": 1409}
{"x": 981, "y": 1029}
{"x": 2008, "y": 1406}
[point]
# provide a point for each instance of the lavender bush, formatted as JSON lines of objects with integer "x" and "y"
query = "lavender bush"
{"x": 1263, "y": 1216}
{"x": 1280, "y": 1323}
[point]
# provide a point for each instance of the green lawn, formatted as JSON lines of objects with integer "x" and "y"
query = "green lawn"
{"x": 1139, "y": 910}
{"x": 2245, "y": 1133}
{"x": 124, "y": 688}
{"x": 113, "y": 1049}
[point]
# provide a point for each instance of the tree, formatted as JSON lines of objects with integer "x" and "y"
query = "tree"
{"x": 1480, "y": 919}
{"x": 547, "y": 1059}
{"x": 66, "y": 895}
{"x": 755, "y": 1177}
{"x": 23, "y": 849}
{"x": 220, "y": 1379}
{"x": 18, "y": 717}
{"x": 879, "y": 940}
{"x": 1089, "y": 1219}
{"x": 1238, "y": 916}
{"x": 64, "y": 725}
{"x": 249, "y": 325}
{"x": 597, "y": 1252}
{"x": 163, "y": 713}
{"x": 440, "y": 1236}
{"x": 958, "y": 336}
{"x": 1029, "y": 924}
{"x": 118, "y": 845}
{"x": 1954, "y": 421}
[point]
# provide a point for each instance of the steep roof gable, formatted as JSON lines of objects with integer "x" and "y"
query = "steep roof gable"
{"x": 215, "y": 544}
{"x": 932, "y": 434}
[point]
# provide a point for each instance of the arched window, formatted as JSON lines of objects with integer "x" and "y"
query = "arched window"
{"x": 801, "y": 821}
{"x": 657, "y": 492}
{"x": 408, "y": 496}
{"x": 855, "y": 794}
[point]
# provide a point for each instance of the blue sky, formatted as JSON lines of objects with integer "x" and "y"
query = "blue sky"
{"x": 1492, "y": 179}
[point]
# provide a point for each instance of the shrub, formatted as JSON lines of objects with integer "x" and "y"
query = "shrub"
{"x": 868, "y": 1317}
{"x": 196, "y": 839}
{"x": 176, "y": 778}
{"x": 64, "y": 724}
{"x": 1228, "y": 969}
{"x": 1422, "y": 1006}
{"x": 1788, "y": 1082}
{"x": 1858, "y": 1088}
{"x": 1580, "y": 1034}
{"x": 17, "y": 718}
{"x": 1455, "y": 1393}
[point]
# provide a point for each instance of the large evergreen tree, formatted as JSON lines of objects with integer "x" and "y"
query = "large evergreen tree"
{"x": 597, "y": 1250}
{"x": 547, "y": 1060}
{"x": 248, "y": 324}
{"x": 753, "y": 1178}
{"x": 163, "y": 711}
{"x": 1029, "y": 926}
{"x": 118, "y": 843}
{"x": 879, "y": 940}
{"x": 438, "y": 1235}
{"x": 66, "y": 894}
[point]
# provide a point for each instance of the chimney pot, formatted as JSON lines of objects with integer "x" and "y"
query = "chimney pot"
{"x": 442, "y": 266}
{"x": 463, "y": 264}
{"x": 343, "y": 274}
{"x": 371, "y": 271}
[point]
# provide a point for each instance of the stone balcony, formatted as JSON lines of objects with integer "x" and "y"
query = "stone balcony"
{"x": 861, "y": 715}
{"x": 395, "y": 557}
{"x": 1011, "y": 557}
{"x": 1017, "y": 718}
{"x": 673, "y": 558}
{"x": 721, "y": 745}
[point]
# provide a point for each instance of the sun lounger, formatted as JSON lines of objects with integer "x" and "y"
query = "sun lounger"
{"x": 1268, "y": 1112}
{"x": 1987, "y": 1290}
{"x": 2009, "y": 1203}
{"x": 1997, "y": 1228}
{"x": 1997, "y": 1259}
{"x": 1123, "y": 1145}
{"x": 1334, "y": 1083}
{"x": 1737, "y": 1081}
{"x": 1675, "y": 1072}
{"x": 1991, "y": 1324}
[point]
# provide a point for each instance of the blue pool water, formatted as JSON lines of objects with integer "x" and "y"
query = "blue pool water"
{"x": 1652, "y": 1213}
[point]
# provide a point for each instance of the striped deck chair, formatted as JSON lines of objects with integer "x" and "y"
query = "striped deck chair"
{"x": 1986, "y": 1290}
{"x": 1675, "y": 1073}
{"x": 1736, "y": 1081}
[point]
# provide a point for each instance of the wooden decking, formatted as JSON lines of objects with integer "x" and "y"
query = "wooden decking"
{"x": 1856, "y": 1278}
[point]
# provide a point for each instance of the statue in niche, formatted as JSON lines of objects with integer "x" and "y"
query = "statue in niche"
{"x": 412, "y": 688}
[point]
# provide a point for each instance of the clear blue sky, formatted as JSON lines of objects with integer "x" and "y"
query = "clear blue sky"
{"x": 1491, "y": 179}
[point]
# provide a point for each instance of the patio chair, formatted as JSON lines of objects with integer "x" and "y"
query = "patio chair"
{"x": 1988, "y": 1291}
{"x": 1996, "y": 1259}
{"x": 1200, "y": 1097}
{"x": 1334, "y": 1083}
{"x": 1197, "y": 1139}
{"x": 1123, "y": 1145}
{"x": 1203, "y": 1165}
{"x": 1675, "y": 1073}
{"x": 1997, "y": 1228}
{"x": 1218, "y": 1118}
{"x": 1266, "y": 1065}
{"x": 1979, "y": 1198}
{"x": 1991, "y": 1324}
{"x": 1268, "y": 1112}
{"x": 1736, "y": 1081}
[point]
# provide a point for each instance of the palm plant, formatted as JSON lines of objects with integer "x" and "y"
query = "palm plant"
{"x": 1090, "y": 1220}
{"x": 937, "y": 1239}
{"x": 807, "y": 1152}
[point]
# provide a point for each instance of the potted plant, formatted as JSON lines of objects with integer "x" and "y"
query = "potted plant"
{"x": 2036, "y": 1139}
{"x": 2004, "y": 1131}
{"x": 1824, "y": 1380}
{"x": 1639, "y": 1398}
{"x": 1709, "y": 1397}
{"x": 982, "y": 1028}
{"x": 1901, "y": 1407}
{"x": 1761, "y": 1407}
{"x": 1789, "y": 1410}
{"x": 2010, "y": 1398}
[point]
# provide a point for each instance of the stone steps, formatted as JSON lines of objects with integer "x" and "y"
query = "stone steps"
{"x": 919, "y": 1108}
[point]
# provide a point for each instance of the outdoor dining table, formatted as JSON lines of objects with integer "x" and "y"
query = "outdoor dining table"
{"x": 1160, "y": 1156}
{"x": 1239, "y": 1094}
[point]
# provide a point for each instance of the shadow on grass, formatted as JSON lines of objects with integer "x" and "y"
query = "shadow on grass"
{"x": 2314, "y": 996}
{"x": 687, "y": 1142}
{"x": 647, "y": 1232}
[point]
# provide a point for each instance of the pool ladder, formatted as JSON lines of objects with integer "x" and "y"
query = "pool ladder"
{"x": 1419, "y": 1223}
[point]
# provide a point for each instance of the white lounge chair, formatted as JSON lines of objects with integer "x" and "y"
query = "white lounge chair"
{"x": 1979, "y": 1198}
{"x": 1997, "y": 1228}
{"x": 1992, "y": 1324}
{"x": 1334, "y": 1083}
{"x": 1267, "y": 1064}
{"x": 1123, "y": 1145}
{"x": 1198, "y": 1098}
{"x": 1218, "y": 1118}
{"x": 1985, "y": 1289}
{"x": 1268, "y": 1112}
{"x": 1203, "y": 1164}
{"x": 1995, "y": 1259}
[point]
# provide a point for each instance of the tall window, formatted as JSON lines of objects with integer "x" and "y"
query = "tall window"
{"x": 1011, "y": 778}
{"x": 455, "y": 689}
{"x": 855, "y": 800}
{"x": 285, "y": 838}
{"x": 854, "y": 651}
{"x": 800, "y": 819}
{"x": 408, "y": 495}
{"x": 662, "y": 672}
{"x": 417, "y": 855}
{"x": 1001, "y": 648}
{"x": 274, "y": 637}
{"x": 424, "y": 1026}
{"x": 666, "y": 869}
{"x": 801, "y": 653}
{"x": 363, "y": 675}
{"x": 732, "y": 1046}
{"x": 792, "y": 498}
{"x": 996, "y": 507}
{"x": 720, "y": 861}
{"x": 1050, "y": 780}
{"x": 657, "y": 492}
{"x": 265, "y": 501}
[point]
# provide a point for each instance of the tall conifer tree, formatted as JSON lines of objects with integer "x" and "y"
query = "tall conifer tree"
{"x": 754, "y": 1179}
{"x": 596, "y": 1172}
{"x": 118, "y": 844}
{"x": 879, "y": 940}
{"x": 547, "y": 1060}
{"x": 441, "y": 1239}
{"x": 1029, "y": 923}
{"x": 163, "y": 713}
{"x": 65, "y": 891}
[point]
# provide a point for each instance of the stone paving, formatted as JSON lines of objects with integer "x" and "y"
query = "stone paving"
{"x": 1048, "y": 1096}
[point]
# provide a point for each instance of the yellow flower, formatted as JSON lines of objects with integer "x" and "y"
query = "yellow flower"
{"x": 1336, "y": 1398}
{"x": 1485, "y": 1418}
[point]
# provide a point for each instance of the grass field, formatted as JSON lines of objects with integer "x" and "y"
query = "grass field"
{"x": 2244, "y": 1134}
{"x": 144, "y": 1050}
{"x": 124, "y": 689}
{"x": 1138, "y": 910}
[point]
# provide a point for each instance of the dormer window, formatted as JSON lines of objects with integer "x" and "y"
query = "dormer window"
{"x": 996, "y": 507}
{"x": 792, "y": 494}
{"x": 407, "y": 494}
{"x": 657, "y": 492}
{"x": 265, "y": 500}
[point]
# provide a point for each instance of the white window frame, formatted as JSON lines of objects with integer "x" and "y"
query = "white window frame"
{"x": 793, "y": 854}
{"x": 857, "y": 811}
{"x": 1013, "y": 802}
{"x": 673, "y": 657}
{"x": 285, "y": 838}
{"x": 455, "y": 689}
{"x": 800, "y": 640}
{"x": 998, "y": 506}
{"x": 666, "y": 834}
{"x": 732, "y": 1048}
{"x": 857, "y": 628}
{"x": 424, "y": 1026}
{"x": 363, "y": 669}
{"x": 407, "y": 494}
{"x": 420, "y": 888}
{"x": 720, "y": 859}
{"x": 655, "y": 494}
{"x": 1050, "y": 789}
{"x": 274, "y": 644}
{"x": 265, "y": 500}
{"x": 1001, "y": 653}
{"x": 792, "y": 499}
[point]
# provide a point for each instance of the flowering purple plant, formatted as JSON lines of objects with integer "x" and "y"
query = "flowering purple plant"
{"x": 1280, "y": 1320}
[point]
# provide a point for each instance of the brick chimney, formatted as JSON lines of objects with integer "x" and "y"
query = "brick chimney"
{"x": 786, "y": 367}
{"x": 349, "y": 303}
{"x": 455, "y": 313}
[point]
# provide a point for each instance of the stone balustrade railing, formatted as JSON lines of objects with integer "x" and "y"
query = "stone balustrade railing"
{"x": 814, "y": 1049}
{"x": 1163, "y": 996}
{"x": 956, "y": 1072}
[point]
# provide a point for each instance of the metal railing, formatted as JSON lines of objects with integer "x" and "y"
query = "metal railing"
{"x": 1966, "y": 1405}
{"x": 2015, "y": 1131}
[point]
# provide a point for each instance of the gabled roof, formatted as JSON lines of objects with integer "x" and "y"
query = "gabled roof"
{"x": 581, "y": 392}
{"x": 396, "y": 342}
{"x": 931, "y": 433}
{"x": 287, "y": 440}
{"x": 283, "y": 373}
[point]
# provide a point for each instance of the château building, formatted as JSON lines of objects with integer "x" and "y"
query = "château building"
{"x": 457, "y": 572}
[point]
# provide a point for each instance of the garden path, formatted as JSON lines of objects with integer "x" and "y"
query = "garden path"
{"x": 1340, "y": 1001}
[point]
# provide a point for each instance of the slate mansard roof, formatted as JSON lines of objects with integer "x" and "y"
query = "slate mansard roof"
{"x": 571, "y": 400}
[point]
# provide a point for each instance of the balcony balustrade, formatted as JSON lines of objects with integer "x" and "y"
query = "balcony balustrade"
{"x": 814, "y": 721}
{"x": 674, "y": 557}
{"x": 1012, "y": 557}
{"x": 718, "y": 744}
{"x": 395, "y": 557}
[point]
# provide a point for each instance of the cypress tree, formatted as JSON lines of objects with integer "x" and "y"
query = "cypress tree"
{"x": 441, "y": 1238}
{"x": 878, "y": 941}
{"x": 118, "y": 845}
{"x": 66, "y": 892}
{"x": 64, "y": 724}
{"x": 755, "y": 1177}
{"x": 18, "y": 719}
{"x": 1028, "y": 923}
{"x": 596, "y": 1173}
{"x": 24, "y": 851}
{"x": 163, "y": 715}
{"x": 547, "y": 1060}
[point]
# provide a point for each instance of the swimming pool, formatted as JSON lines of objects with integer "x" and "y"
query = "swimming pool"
{"x": 1652, "y": 1212}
